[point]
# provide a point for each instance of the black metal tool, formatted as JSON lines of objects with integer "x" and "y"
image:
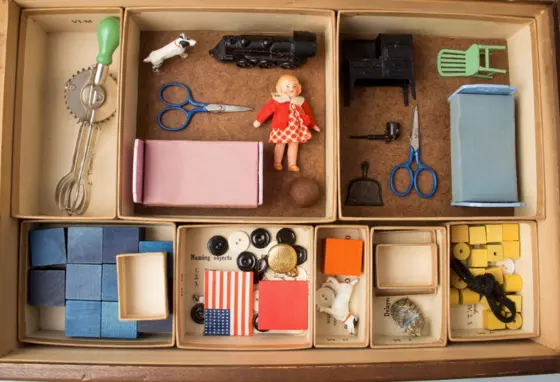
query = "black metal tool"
{"x": 364, "y": 191}
{"x": 392, "y": 132}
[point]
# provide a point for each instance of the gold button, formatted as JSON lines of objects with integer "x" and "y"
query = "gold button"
{"x": 282, "y": 258}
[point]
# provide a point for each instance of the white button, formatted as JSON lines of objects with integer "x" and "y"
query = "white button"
{"x": 238, "y": 241}
{"x": 271, "y": 275}
{"x": 324, "y": 297}
{"x": 508, "y": 266}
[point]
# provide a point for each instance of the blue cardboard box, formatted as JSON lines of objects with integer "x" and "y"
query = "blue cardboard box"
{"x": 83, "y": 319}
{"x": 112, "y": 327}
{"x": 83, "y": 282}
{"x": 118, "y": 240}
{"x": 85, "y": 245}
{"x": 109, "y": 287}
{"x": 46, "y": 287}
{"x": 47, "y": 247}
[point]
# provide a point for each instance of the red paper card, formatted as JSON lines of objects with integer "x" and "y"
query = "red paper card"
{"x": 283, "y": 305}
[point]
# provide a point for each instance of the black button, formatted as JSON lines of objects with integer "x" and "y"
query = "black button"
{"x": 217, "y": 245}
{"x": 260, "y": 270}
{"x": 246, "y": 261}
{"x": 260, "y": 238}
{"x": 256, "y": 323}
{"x": 301, "y": 254}
{"x": 197, "y": 313}
{"x": 286, "y": 236}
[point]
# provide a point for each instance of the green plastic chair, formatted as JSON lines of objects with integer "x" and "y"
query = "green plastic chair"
{"x": 467, "y": 63}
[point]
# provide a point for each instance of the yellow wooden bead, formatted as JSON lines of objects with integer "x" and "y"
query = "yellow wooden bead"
{"x": 510, "y": 232}
{"x": 516, "y": 323}
{"x": 461, "y": 251}
{"x": 477, "y": 271}
{"x": 494, "y": 233}
{"x": 495, "y": 252}
{"x": 478, "y": 258}
{"x": 511, "y": 249}
{"x": 497, "y": 272}
{"x": 459, "y": 233}
{"x": 477, "y": 235}
{"x": 468, "y": 297}
{"x": 490, "y": 322}
{"x": 457, "y": 282}
{"x": 512, "y": 283}
{"x": 454, "y": 296}
{"x": 517, "y": 299}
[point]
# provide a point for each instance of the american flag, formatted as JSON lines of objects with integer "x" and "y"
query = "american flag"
{"x": 228, "y": 303}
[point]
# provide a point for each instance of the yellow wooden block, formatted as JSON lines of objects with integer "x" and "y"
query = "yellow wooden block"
{"x": 516, "y": 323}
{"x": 512, "y": 283}
{"x": 468, "y": 297}
{"x": 457, "y": 282}
{"x": 497, "y": 272}
{"x": 517, "y": 299}
{"x": 477, "y": 271}
{"x": 459, "y": 233}
{"x": 494, "y": 233}
{"x": 495, "y": 252}
{"x": 490, "y": 322}
{"x": 510, "y": 232}
{"x": 461, "y": 251}
{"x": 477, "y": 235}
{"x": 484, "y": 302}
{"x": 454, "y": 296}
{"x": 511, "y": 249}
{"x": 478, "y": 258}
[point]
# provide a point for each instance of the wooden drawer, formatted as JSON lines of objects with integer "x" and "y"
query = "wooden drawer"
{"x": 485, "y": 358}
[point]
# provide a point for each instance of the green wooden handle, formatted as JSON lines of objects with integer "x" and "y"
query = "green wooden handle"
{"x": 108, "y": 33}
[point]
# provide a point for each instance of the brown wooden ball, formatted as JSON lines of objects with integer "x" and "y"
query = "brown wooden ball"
{"x": 304, "y": 192}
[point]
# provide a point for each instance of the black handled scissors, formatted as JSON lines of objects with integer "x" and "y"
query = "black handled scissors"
{"x": 198, "y": 107}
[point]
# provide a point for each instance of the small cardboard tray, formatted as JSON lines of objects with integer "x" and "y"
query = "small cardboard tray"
{"x": 142, "y": 283}
{"x": 327, "y": 332}
{"x": 392, "y": 259}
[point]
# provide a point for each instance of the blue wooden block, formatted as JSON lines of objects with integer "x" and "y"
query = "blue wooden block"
{"x": 85, "y": 245}
{"x": 109, "y": 289}
{"x": 47, "y": 247}
{"x": 46, "y": 287}
{"x": 83, "y": 282}
{"x": 159, "y": 246}
{"x": 112, "y": 327}
{"x": 83, "y": 319}
{"x": 156, "y": 326}
{"x": 117, "y": 240}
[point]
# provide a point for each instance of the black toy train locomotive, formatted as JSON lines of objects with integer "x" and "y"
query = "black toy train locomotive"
{"x": 248, "y": 51}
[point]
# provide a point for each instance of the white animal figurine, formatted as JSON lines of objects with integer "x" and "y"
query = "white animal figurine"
{"x": 340, "y": 308}
{"x": 176, "y": 47}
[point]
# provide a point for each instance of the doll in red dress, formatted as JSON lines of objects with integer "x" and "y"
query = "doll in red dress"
{"x": 291, "y": 121}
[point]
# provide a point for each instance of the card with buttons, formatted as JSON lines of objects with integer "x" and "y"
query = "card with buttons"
{"x": 504, "y": 255}
{"x": 245, "y": 287}
{"x": 342, "y": 279}
{"x": 409, "y": 287}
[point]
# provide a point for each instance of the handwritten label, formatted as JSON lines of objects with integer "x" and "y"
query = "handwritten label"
{"x": 387, "y": 307}
{"x": 208, "y": 258}
{"x": 86, "y": 21}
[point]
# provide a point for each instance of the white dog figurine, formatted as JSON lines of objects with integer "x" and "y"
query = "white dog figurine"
{"x": 340, "y": 308}
{"x": 176, "y": 47}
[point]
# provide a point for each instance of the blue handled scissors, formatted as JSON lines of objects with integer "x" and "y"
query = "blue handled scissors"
{"x": 198, "y": 107}
{"x": 414, "y": 154}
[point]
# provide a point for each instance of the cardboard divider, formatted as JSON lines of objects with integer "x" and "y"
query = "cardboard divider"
{"x": 54, "y": 45}
{"x": 432, "y": 33}
{"x": 194, "y": 258}
{"x": 328, "y": 332}
{"x": 391, "y": 258}
{"x": 142, "y": 281}
{"x": 430, "y": 303}
{"x": 46, "y": 324}
{"x": 466, "y": 321}
{"x": 148, "y": 29}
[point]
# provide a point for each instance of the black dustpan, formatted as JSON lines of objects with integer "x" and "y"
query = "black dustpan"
{"x": 364, "y": 191}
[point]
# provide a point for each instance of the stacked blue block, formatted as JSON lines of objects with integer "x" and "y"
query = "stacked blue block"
{"x": 47, "y": 247}
{"x": 83, "y": 282}
{"x": 46, "y": 287}
{"x": 117, "y": 240}
{"x": 109, "y": 288}
{"x": 83, "y": 319}
{"x": 112, "y": 327}
{"x": 85, "y": 245}
{"x": 156, "y": 326}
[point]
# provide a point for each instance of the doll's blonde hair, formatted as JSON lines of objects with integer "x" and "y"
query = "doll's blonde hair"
{"x": 287, "y": 77}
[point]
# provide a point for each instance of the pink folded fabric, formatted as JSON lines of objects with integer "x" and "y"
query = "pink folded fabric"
{"x": 198, "y": 173}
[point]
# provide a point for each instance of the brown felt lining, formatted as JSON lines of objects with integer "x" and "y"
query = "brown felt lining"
{"x": 214, "y": 82}
{"x": 373, "y": 107}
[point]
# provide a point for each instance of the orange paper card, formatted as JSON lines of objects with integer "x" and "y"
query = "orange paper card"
{"x": 343, "y": 257}
{"x": 283, "y": 305}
